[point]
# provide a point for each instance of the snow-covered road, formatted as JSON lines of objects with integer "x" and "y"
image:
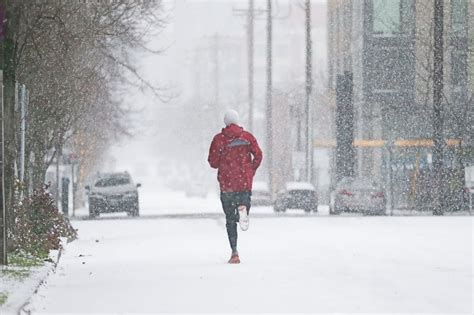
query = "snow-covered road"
{"x": 289, "y": 264}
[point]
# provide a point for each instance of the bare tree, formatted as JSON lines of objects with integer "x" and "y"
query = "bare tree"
{"x": 75, "y": 59}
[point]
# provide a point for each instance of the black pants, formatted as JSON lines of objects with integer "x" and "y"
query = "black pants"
{"x": 230, "y": 202}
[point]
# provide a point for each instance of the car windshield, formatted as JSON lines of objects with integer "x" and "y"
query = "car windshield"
{"x": 358, "y": 182}
{"x": 112, "y": 181}
{"x": 299, "y": 193}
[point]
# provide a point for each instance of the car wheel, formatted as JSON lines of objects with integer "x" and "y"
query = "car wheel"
{"x": 279, "y": 209}
{"x": 93, "y": 211}
{"x": 135, "y": 212}
{"x": 334, "y": 211}
{"x": 380, "y": 212}
{"x": 374, "y": 212}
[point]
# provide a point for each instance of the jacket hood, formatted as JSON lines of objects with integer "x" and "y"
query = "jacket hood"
{"x": 232, "y": 131}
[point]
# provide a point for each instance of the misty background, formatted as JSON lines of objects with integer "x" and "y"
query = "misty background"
{"x": 203, "y": 70}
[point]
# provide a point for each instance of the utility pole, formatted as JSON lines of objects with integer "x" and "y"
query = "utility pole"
{"x": 214, "y": 47}
{"x": 250, "y": 55}
{"x": 250, "y": 14}
{"x": 438, "y": 86}
{"x": 58, "y": 177}
{"x": 269, "y": 94}
{"x": 309, "y": 87}
{"x": 216, "y": 70}
{"x": 73, "y": 201}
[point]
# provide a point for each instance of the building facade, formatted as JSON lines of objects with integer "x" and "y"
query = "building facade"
{"x": 388, "y": 47}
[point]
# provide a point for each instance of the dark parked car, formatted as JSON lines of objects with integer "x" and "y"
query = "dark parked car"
{"x": 469, "y": 193}
{"x": 455, "y": 190}
{"x": 297, "y": 195}
{"x": 113, "y": 192}
{"x": 358, "y": 194}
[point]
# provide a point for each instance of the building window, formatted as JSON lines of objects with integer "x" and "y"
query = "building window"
{"x": 459, "y": 17}
{"x": 459, "y": 70}
{"x": 392, "y": 17}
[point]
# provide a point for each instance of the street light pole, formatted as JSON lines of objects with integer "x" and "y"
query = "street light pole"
{"x": 250, "y": 52}
{"x": 309, "y": 86}
{"x": 216, "y": 71}
{"x": 437, "y": 105}
{"x": 269, "y": 114}
{"x": 23, "y": 103}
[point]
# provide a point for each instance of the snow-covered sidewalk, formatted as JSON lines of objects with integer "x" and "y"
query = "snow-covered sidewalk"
{"x": 311, "y": 264}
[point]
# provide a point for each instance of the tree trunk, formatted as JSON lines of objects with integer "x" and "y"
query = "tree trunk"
{"x": 38, "y": 170}
{"x": 9, "y": 112}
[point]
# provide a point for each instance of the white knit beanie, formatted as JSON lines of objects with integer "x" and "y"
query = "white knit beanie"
{"x": 231, "y": 117}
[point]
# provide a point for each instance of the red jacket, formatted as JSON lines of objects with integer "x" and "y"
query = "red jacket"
{"x": 236, "y": 154}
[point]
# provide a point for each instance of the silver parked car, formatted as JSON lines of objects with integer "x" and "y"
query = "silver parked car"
{"x": 358, "y": 194}
{"x": 113, "y": 192}
{"x": 297, "y": 195}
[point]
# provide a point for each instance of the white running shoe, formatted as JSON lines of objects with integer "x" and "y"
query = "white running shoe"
{"x": 243, "y": 218}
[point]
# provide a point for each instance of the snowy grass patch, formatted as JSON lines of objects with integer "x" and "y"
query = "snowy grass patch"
{"x": 16, "y": 273}
{"x": 20, "y": 279}
{"x": 20, "y": 265}
{"x": 3, "y": 298}
{"x": 22, "y": 259}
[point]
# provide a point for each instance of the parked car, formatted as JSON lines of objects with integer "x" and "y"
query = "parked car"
{"x": 261, "y": 194}
{"x": 469, "y": 190}
{"x": 357, "y": 194}
{"x": 455, "y": 191}
{"x": 297, "y": 195}
{"x": 469, "y": 196}
{"x": 113, "y": 192}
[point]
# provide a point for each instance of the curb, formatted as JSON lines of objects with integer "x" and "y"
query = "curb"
{"x": 23, "y": 308}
